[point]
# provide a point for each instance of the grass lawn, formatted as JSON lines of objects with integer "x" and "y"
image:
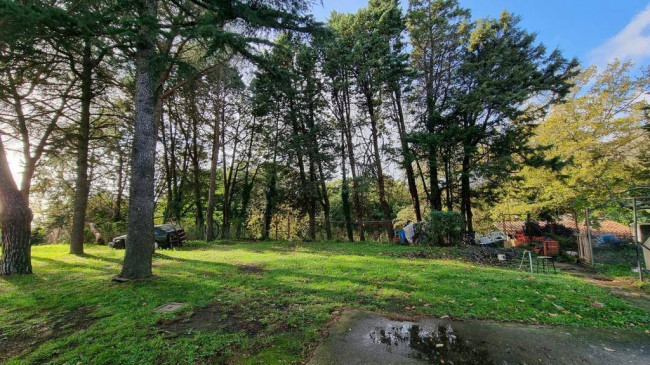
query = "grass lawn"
{"x": 264, "y": 302}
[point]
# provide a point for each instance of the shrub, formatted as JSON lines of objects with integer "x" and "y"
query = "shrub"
{"x": 443, "y": 228}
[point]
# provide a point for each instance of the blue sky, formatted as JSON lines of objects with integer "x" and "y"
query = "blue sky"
{"x": 594, "y": 31}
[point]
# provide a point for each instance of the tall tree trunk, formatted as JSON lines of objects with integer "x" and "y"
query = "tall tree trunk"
{"x": 82, "y": 184}
{"x": 247, "y": 186}
{"x": 356, "y": 193}
{"x": 117, "y": 210}
{"x": 380, "y": 173}
{"x": 15, "y": 223}
{"x": 435, "y": 198}
{"x": 448, "y": 188}
{"x": 407, "y": 155}
{"x": 198, "y": 219}
{"x": 315, "y": 158}
{"x": 140, "y": 235}
{"x": 465, "y": 193}
{"x": 311, "y": 199}
{"x": 166, "y": 160}
{"x": 345, "y": 192}
{"x": 209, "y": 215}
{"x": 271, "y": 195}
{"x": 326, "y": 202}
{"x": 271, "y": 192}
{"x": 342, "y": 97}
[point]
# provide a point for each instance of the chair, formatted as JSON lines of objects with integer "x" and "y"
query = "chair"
{"x": 545, "y": 260}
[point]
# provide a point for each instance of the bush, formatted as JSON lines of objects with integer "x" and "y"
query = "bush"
{"x": 443, "y": 228}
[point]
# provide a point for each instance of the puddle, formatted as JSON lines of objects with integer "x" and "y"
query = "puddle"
{"x": 367, "y": 338}
{"x": 431, "y": 345}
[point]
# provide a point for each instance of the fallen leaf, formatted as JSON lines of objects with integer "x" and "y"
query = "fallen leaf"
{"x": 553, "y": 314}
{"x": 558, "y": 307}
{"x": 521, "y": 301}
{"x": 445, "y": 316}
{"x": 578, "y": 316}
{"x": 608, "y": 349}
{"x": 495, "y": 299}
{"x": 598, "y": 304}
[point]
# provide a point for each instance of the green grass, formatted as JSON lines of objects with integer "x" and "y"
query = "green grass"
{"x": 270, "y": 303}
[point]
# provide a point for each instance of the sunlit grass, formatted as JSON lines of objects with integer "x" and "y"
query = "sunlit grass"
{"x": 291, "y": 291}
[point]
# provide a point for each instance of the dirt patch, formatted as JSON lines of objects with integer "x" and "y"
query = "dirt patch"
{"x": 29, "y": 335}
{"x": 214, "y": 317}
{"x": 619, "y": 287}
{"x": 250, "y": 268}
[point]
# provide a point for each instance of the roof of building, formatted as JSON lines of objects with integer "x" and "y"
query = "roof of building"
{"x": 602, "y": 227}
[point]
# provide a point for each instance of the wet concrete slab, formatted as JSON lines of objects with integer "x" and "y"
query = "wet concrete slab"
{"x": 368, "y": 338}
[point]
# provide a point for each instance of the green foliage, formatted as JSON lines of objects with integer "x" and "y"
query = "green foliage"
{"x": 597, "y": 135}
{"x": 443, "y": 227}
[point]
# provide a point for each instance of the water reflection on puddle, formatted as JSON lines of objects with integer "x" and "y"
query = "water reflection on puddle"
{"x": 431, "y": 345}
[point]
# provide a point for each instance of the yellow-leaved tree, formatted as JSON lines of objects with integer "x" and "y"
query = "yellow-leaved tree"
{"x": 598, "y": 137}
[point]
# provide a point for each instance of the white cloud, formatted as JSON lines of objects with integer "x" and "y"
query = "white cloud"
{"x": 633, "y": 42}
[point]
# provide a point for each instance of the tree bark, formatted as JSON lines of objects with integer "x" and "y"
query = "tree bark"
{"x": 82, "y": 183}
{"x": 117, "y": 210}
{"x": 198, "y": 204}
{"x": 380, "y": 173}
{"x": 345, "y": 193}
{"x": 140, "y": 236}
{"x": 465, "y": 193}
{"x": 356, "y": 193}
{"x": 15, "y": 222}
{"x": 209, "y": 215}
{"x": 407, "y": 155}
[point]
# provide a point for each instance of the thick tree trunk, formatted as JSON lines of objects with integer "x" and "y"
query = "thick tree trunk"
{"x": 15, "y": 223}
{"x": 82, "y": 183}
{"x": 380, "y": 173}
{"x": 27, "y": 176}
{"x": 140, "y": 236}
